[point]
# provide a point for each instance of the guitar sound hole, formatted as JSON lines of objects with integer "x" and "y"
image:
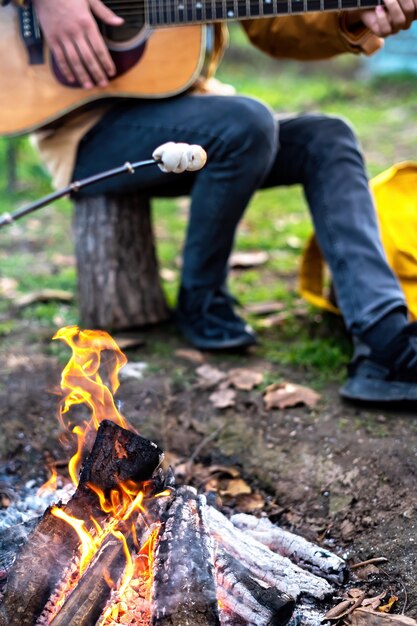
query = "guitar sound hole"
{"x": 133, "y": 13}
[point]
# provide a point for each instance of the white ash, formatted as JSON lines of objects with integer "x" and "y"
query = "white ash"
{"x": 27, "y": 504}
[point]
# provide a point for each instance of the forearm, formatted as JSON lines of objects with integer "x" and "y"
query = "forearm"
{"x": 309, "y": 37}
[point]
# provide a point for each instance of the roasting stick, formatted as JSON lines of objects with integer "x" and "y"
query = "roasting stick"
{"x": 170, "y": 157}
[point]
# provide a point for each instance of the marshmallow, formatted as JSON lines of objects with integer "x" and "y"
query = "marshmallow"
{"x": 179, "y": 157}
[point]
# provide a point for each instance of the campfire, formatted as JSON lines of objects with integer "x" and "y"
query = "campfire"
{"x": 131, "y": 547}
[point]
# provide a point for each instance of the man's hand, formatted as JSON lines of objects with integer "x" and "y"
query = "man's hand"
{"x": 74, "y": 39}
{"x": 393, "y": 16}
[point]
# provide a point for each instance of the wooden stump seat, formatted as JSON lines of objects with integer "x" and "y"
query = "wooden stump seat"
{"x": 118, "y": 275}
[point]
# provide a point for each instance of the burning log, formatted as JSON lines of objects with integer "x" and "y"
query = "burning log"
{"x": 117, "y": 455}
{"x": 84, "y": 605}
{"x": 184, "y": 590}
{"x": 308, "y": 555}
{"x": 242, "y": 595}
{"x": 263, "y": 564}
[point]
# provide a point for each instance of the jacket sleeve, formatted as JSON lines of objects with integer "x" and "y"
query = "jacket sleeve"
{"x": 309, "y": 37}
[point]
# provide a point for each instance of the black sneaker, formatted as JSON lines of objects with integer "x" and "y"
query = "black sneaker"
{"x": 207, "y": 319}
{"x": 385, "y": 377}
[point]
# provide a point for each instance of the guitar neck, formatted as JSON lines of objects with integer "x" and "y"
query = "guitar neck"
{"x": 176, "y": 12}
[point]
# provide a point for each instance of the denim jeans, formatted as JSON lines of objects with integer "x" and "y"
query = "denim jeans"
{"x": 248, "y": 149}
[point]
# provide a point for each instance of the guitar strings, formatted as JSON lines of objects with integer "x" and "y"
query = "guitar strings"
{"x": 127, "y": 8}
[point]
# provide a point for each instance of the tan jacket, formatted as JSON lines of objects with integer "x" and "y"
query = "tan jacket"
{"x": 304, "y": 37}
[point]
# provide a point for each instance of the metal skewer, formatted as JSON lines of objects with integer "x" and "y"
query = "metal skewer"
{"x": 170, "y": 156}
{"x": 127, "y": 168}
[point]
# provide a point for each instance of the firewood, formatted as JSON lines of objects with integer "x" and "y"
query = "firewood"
{"x": 242, "y": 595}
{"x": 184, "y": 592}
{"x": 116, "y": 455}
{"x": 84, "y": 605}
{"x": 265, "y": 565}
{"x": 119, "y": 455}
{"x": 306, "y": 554}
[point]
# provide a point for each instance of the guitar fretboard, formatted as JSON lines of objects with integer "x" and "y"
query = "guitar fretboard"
{"x": 167, "y": 12}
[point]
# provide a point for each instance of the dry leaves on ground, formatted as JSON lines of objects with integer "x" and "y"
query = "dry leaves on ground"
{"x": 194, "y": 356}
{"x": 356, "y": 609}
{"x": 223, "y": 396}
{"x": 248, "y": 259}
{"x": 244, "y": 378}
{"x": 286, "y": 394}
{"x": 209, "y": 376}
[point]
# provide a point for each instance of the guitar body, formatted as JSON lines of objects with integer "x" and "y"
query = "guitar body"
{"x": 161, "y": 63}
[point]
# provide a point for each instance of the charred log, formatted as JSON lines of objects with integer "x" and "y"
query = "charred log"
{"x": 40, "y": 565}
{"x": 241, "y": 595}
{"x": 306, "y": 554}
{"x": 184, "y": 592}
{"x": 84, "y": 605}
{"x": 119, "y": 455}
{"x": 264, "y": 565}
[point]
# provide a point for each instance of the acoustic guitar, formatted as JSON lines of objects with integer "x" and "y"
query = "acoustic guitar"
{"x": 151, "y": 61}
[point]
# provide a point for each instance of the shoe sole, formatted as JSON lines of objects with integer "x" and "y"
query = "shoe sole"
{"x": 210, "y": 344}
{"x": 379, "y": 391}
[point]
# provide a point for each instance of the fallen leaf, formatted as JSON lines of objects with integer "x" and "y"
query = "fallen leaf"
{"x": 168, "y": 275}
{"x": 366, "y": 617}
{"x": 355, "y": 593}
{"x": 248, "y": 259}
{"x": 243, "y": 378}
{"x": 339, "y": 610}
{"x": 250, "y": 502}
{"x": 286, "y": 394}
{"x": 375, "y": 601}
{"x": 209, "y": 376}
{"x": 211, "y": 485}
{"x": 348, "y": 530}
{"x": 190, "y": 355}
{"x": 224, "y": 469}
{"x": 235, "y": 487}
{"x": 363, "y": 573}
{"x": 43, "y": 295}
{"x": 386, "y": 608}
{"x": 223, "y": 398}
{"x": 8, "y": 287}
{"x": 264, "y": 308}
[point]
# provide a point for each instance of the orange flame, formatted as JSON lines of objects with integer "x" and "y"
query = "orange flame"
{"x": 82, "y": 383}
{"x": 50, "y": 485}
{"x": 96, "y": 354}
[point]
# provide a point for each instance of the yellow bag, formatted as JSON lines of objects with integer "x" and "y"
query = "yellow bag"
{"x": 395, "y": 194}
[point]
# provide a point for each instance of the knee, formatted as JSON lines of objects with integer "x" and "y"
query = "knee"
{"x": 250, "y": 128}
{"x": 330, "y": 135}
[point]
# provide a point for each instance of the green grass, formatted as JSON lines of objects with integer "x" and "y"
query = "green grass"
{"x": 382, "y": 111}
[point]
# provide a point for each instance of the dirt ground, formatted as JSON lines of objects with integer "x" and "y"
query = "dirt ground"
{"x": 342, "y": 476}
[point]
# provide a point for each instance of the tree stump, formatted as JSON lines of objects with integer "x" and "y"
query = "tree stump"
{"x": 118, "y": 275}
